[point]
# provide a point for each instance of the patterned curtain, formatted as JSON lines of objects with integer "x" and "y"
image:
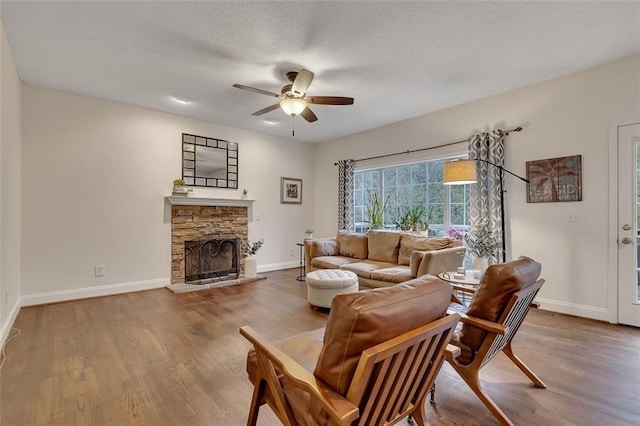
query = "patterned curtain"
{"x": 485, "y": 196}
{"x": 346, "y": 217}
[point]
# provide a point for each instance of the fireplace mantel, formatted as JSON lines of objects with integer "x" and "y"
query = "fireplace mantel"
{"x": 198, "y": 201}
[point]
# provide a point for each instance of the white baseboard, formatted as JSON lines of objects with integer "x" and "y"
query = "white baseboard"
{"x": 84, "y": 293}
{"x": 278, "y": 266}
{"x": 585, "y": 311}
{"x": 6, "y": 327}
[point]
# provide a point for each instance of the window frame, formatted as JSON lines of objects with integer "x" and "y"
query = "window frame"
{"x": 437, "y": 229}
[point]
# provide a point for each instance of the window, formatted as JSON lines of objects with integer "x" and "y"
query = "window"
{"x": 405, "y": 186}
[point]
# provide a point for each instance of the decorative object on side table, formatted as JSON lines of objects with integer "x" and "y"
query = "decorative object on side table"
{"x": 250, "y": 263}
{"x": 290, "y": 190}
{"x": 179, "y": 188}
{"x": 483, "y": 244}
{"x": 309, "y": 233}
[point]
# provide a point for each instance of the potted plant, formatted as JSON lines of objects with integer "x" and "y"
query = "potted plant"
{"x": 414, "y": 219}
{"x": 179, "y": 187}
{"x": 375, "y": 210}
{"x": 309, "y": 233}
{"x": 482, "y": 242}
{"x": 250, "y": 263}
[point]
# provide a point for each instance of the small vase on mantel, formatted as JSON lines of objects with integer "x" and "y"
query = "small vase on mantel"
{"x": 250, "y": 266}
{"x": 480, "y": 265}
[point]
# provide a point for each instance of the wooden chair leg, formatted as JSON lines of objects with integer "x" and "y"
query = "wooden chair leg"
{"x": 523, "y": 367}
{"x": 256, "y": 402}
{"x": 267, "y": 373}
{"x": 419, "y": 416}
{"x": 470, "y": 376}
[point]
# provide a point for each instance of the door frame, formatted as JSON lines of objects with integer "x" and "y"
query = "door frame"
{"x": 612, "y": 272}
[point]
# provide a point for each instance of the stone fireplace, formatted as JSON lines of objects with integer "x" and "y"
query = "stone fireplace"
{"x": 215, "y": 228}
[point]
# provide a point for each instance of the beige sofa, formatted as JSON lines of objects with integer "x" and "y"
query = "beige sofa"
{"x": 383, "y": 258}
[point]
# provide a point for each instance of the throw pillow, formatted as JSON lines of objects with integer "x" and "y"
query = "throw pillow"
{"x": 352, "y": 244}
{"x": 384, "y": 246}
{"x": 411, "y": 243}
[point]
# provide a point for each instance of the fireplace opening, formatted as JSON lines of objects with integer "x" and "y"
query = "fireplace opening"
{"x": 211, "y": 260}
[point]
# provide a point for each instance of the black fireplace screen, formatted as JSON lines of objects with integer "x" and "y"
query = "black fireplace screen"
{"x": 211, "y": 260}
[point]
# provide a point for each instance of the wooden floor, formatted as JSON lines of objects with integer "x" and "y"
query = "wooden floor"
{"x": 158, "y": 358}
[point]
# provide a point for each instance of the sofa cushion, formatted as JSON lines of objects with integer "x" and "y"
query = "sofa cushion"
{"x": 330, "y": 262}
{"x": 362, "y": 320}
{"x": 397, "y": 274}
{"x": 497, "y": 285}
{"x": 410, "y": 243}
{"x": 384, "y": 246}
{"x": 364, "y": 268}
{"x": 319, "y": 248}
{"x": 352, "y": 244}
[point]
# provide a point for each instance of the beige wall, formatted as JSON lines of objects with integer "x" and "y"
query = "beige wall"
{"x": 94, "y": 180}
{"x": 564, "y": 116}
{"x": 10, "y": 185}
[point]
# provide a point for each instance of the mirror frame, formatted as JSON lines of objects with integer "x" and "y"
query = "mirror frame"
{"x": 189, "y": 162}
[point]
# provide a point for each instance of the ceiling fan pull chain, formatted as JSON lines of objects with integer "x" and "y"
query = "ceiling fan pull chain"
{"x": 293, "y": 126}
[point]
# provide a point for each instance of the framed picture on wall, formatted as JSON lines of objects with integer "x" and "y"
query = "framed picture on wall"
{"x": 290, "y": 190}
{"x": 555, "y": 179}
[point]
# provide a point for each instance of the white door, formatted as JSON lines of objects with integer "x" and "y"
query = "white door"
{"x": 628, "y": 226}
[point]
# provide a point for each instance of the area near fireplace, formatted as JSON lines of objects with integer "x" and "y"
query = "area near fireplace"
{"x": 213, "y": 229}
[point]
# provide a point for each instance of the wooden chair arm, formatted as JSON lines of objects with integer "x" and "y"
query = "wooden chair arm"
{"x": 339, "y": 408}
{"x": 452, "y": 352}
{"x": 490, "y": 326}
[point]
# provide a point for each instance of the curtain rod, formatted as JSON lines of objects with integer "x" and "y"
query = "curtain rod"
{"x": 411, "y": 151}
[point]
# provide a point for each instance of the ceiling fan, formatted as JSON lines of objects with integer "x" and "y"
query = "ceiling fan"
{"x": 293, "y": 96}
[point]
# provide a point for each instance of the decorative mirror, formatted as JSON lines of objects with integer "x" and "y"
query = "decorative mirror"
{"x": 209, "y": 162}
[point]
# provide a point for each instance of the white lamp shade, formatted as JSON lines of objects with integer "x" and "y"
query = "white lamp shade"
{"x": 459, "y": 172}
{"x": 293, "y": 106}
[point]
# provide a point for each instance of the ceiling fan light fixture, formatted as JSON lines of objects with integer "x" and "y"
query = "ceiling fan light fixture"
{"x": 293, "y": 106}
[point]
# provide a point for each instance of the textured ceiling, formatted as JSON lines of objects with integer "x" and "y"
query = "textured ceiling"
{"x": 397, "y": 59}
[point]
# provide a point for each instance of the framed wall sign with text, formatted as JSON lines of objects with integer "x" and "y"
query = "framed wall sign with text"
{"x": 555, "y": 179}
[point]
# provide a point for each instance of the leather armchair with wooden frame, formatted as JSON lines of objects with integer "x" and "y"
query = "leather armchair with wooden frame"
{"x": 373, "y": 363}
{"x": 494, "y": 316}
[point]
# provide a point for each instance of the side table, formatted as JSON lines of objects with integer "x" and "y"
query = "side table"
{"x": 301, "y": 276}
{"x": 462, "y": 286}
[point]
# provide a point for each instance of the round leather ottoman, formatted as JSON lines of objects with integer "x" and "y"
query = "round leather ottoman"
{"x": 323, "y": 284}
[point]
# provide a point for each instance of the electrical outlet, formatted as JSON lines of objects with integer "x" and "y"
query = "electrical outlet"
{"x": 290, "y": 252}
{"x": 99, "y": 270}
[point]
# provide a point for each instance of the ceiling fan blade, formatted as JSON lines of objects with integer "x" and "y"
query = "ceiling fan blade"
{"x": 267, "y": 109}
{"x": 329, "y": 100}
{"x": 301, "y": 83}
{"x": 308, "y": 115}
{"x": 253, "y": 89}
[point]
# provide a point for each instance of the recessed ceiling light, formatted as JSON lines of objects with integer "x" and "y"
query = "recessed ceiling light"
{"x": 271, "y": 121}
{"x": 181, "y": 100}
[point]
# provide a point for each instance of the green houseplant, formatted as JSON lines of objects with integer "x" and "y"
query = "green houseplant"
{"x": 482, "y": 242}
{"x": 179, "y": 188}
{"x": 415, "y": 219}
{"x": 375, "y": 210}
